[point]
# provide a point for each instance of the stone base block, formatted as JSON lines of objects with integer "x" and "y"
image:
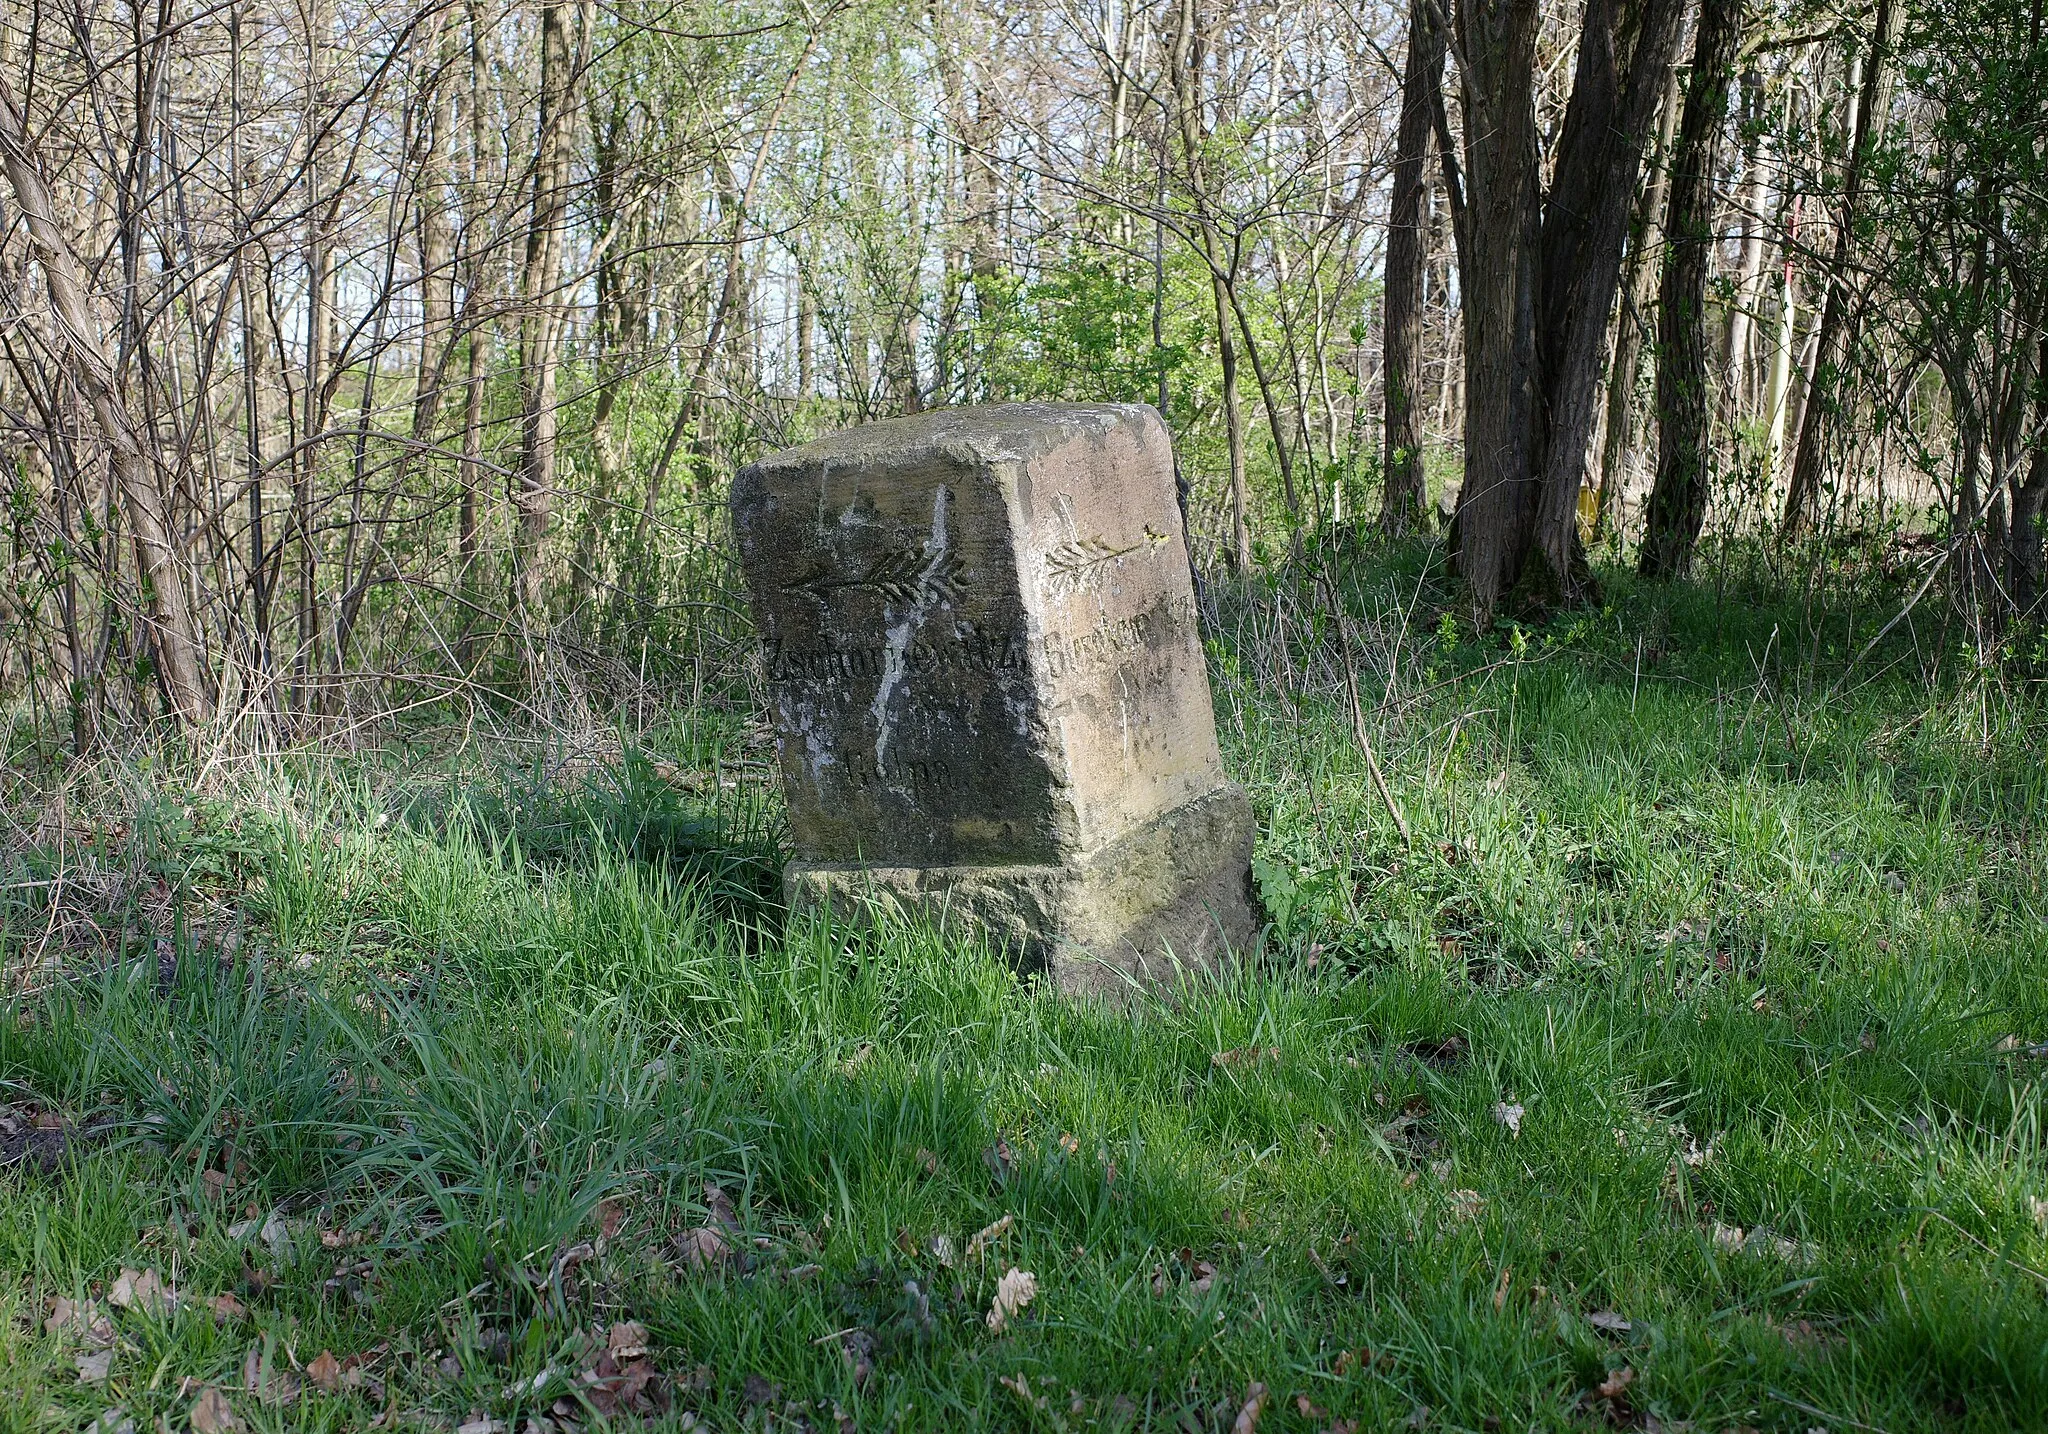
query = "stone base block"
{"x": 1175, "y": 891}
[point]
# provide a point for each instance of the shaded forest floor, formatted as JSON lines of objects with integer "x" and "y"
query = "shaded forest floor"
{"x": 1686, "y": 1070}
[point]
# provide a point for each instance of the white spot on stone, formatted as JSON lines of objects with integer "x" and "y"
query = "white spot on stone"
{"x": 898, "y": 646}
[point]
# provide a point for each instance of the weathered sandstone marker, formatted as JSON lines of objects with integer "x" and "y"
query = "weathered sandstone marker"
{"x": 990, "y": 698}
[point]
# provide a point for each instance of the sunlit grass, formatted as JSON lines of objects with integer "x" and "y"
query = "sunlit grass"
{"x": 1746, "y": 951}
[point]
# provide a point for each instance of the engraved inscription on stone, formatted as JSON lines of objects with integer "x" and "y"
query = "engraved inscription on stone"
{"x": 978, "y": 628}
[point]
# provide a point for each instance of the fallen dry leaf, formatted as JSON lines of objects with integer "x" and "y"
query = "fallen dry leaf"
{"x": 985, "y": 1237}
{"x": 1309, "y": 1409}
{"x": 1016, "y": 1289}
{"x": 226, "y": 1308}
{"x": 1804, "y": 1334}
{"x": 1617, "y": 1383}
{"x": 1020, "y": 1385}
{"x": 325, "y": 1371}
{"x": 94, "y": 1368}
{"x": 1732, "y": 1240}
{"x": 1510, "y": 1116}
{"x": 211, "y": 1414}
{"x": 2040, "y": 1210}
{"x": 1247, "y": 1421}
{"x": 86, "y": 1321}
{"x": 928, "y": 1160}
{"x": 1446, "y": 1052}
{"x": 611, "y": 1216}
{"x": 1467, "y": 1204}
{"x": 703, "y": 1248}
{"x": 857, "y": 1348}
{"x": 1608, "y": 1322}
{"x": 268, "y": 1384}
{"x": 142, "y": 1290}
{"x": 627, "y": 1340}
{"x": 1245, "y": 1056}
{"x": 276, "y": 1232}
{"x": 481, "y": 1424}
{"x": 719, "y": 1205}
{"x": 610, "y": 1388}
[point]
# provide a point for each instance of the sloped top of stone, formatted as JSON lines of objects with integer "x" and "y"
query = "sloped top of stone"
{"x": 976, "y": 433}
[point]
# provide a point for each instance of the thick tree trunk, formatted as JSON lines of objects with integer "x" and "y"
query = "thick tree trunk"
{"x": 1539, "y": 286}
{"x": 1405, "y": 494}
{"x": 1678, "y": 502}
{"x": 1837, "y": 333}
{"x": 1639, "y": 293}
{"x": 1497, "y": 503}
{"x": 174, "y": 631}
{"x": 1625, "y": 51}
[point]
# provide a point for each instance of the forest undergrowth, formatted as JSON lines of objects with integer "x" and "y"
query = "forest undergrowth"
{"x": 1682, "y": 1068}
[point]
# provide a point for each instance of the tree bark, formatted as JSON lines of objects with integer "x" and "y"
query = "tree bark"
{"x": 131, "y": 452}
{"x": 1405, "y": 495}
{"x": 1678, "y": 501}
{"x": 2027, "y": 575}
{"x": 1639, "y": 294}
{"x": 1625, "y": 51}
{"x": 1837, "y": 334}
{"x": 540, "y": 320}
{"x": 1188, "y": 59}
{"x": 314, "y": 400}
{"x": 1233, "y": 423}
{"x": 1736, "y": 366}
{"x": 1496, "y": 51}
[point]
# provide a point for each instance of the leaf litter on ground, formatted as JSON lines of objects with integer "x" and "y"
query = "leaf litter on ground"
{"x": 1016, "y": 1289}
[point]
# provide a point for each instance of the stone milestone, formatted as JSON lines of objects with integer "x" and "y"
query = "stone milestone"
{"x": 990, "y": 700}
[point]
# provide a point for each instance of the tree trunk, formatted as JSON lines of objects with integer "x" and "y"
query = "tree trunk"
{"x": 319, "y": 311}
{"x": 1233, "y": 422}
{"x": 174, "y": 631}
{"x": 1638, "y": 295}
{"x": 1405, "y": 494}
{"x": 2027, "y": 574}
{"x": 1736, "y": 367}
{"x": 540, "y": 319}
{"x": 1778, "y": 388}
{"x": 1625, "y": 50}
{"x": 1837, "y": 334}
{"x": 475, "y": 323}
{"x": 1678, "y": 501}
{"x": 1497, "y": 503}
{"x": 1188, "y": 61}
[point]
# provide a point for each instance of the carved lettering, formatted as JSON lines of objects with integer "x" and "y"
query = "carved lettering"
{"x": 968, "y": 647}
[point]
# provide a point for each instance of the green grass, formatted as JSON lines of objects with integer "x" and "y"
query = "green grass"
{"x": 1741, "y": 931}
